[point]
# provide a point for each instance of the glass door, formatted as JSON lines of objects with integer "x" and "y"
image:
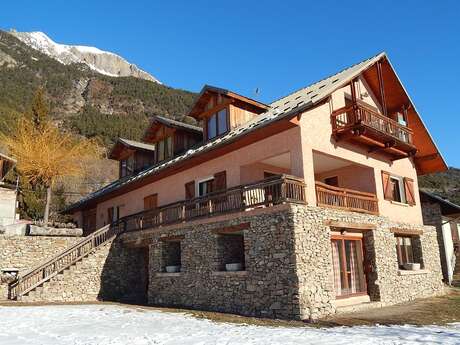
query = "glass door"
{"x": 348, "y": 263}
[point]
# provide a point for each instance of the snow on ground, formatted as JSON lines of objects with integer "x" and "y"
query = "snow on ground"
{"x": 116, "y": 325}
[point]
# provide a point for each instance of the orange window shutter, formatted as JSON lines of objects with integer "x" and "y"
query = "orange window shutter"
{"x": 387, "y": 189}
{"x": 190, "y": 190}
{"x": 220, "y": 180}
{"x": 409, "y": 189}
{"x": 151, "y": 201}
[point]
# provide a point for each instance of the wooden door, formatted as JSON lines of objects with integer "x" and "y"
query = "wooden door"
{"x": 348, "y": 265}
{"x": 89, "y": 221}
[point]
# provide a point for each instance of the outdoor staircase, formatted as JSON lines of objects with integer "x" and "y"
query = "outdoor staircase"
{"x": 48, "y": 277}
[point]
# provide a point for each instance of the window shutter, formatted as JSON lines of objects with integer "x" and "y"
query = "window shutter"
{"x": 220, "y": 181}
{"x": 387, "y": 190}
{"x": 151, "y": 201}
{"x": 190, "y": 190}
{"x": 109, "y": 215}
{"x": 409, "y": 190}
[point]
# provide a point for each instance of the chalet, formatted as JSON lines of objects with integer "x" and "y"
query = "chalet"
{"x": 293, "y": 209}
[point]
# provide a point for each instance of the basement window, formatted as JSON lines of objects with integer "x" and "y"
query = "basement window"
{"x": 171, "y": 256}
{"x": 409, "y": 252}
{"x": 230, "y": 252}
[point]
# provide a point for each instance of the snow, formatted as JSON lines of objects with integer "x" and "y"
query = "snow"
{"x": 116, "y": 325}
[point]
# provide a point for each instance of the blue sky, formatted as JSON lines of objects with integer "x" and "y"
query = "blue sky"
{"x": 276, "y": 46}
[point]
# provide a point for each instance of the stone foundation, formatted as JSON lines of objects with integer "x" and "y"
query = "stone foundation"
{"x": 288, "y": 263}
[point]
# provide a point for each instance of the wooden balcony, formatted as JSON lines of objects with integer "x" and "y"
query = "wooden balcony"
{"x": 266, "y": 193}
{"x": 380, "y": 133}
{"x": 346, "y": 199}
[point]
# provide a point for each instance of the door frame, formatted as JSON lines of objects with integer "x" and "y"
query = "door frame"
{"x": 363, "y": 253}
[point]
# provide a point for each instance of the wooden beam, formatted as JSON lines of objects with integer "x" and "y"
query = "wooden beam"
{"x": 427, "y": 157}
{"x": 216, "y": 108}
{"x": 346, "y": 225}
{"x": 408, "y": 232}
{"x": 382, "y": 89}
{"x": 232, "y": 229}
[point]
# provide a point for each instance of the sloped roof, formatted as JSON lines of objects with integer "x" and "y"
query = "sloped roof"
{"x": 130, "y": 144}
{"x": 176, "y": 124}
{"x": 447, "y": 207}
{"x": 290, "y": 105}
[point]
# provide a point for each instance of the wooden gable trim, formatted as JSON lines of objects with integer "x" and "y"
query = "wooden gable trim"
{"x": 215, "y": 109}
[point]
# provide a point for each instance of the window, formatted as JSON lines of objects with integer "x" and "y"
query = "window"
{"x": 217, "y": 124}
{"x": 399, "y": 189}
{"x": 127, "y": 166}
{"x": 206, "y": 186}
{"x": 396, "y": 186}
{"x": 171, "y": 256}
{"x": 332, "y": 181}
{"x": 230, "y": 252}
{"x": 113, "y": 214}
{"x": 164, "y": 149}
{"x": 404, "y": 250}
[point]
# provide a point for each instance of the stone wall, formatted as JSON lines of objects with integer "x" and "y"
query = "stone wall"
{"x": 386, "y": 282}
{"x": 112, "y": 273}
{"x": 432, "y": 215}
{"x": 288, "y": 263}
{"x": 267, "y": 287}
{"x": 25, "y": 252}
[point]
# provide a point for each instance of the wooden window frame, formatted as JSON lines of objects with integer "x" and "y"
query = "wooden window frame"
{"x": 203, "y": 180}
{"x": 403, "y": 249}
{"x": 216, "y": 120}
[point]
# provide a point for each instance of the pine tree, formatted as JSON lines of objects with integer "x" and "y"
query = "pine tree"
{"x": 39, "y": 110}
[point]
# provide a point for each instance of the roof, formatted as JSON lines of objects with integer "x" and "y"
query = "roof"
{"x": 447, "y": 207}
{"x": 285, "y": 107}
{"x": 176, "y": 124}
{"x": 131, "y": 144}
{"x": 194, "y": 109}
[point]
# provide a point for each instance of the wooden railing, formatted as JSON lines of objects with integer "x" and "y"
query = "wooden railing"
{"x": 268, "y": 192}
{"x": 44, "y": 272}
{"x": 346, "y": 199}
{"x": 358, "y": 115}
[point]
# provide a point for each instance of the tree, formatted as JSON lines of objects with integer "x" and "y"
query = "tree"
{"x": 39, "y": 111}
{"x": 44, "y": 154}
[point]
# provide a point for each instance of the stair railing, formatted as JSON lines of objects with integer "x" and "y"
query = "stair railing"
{"x": 47, "y": 270}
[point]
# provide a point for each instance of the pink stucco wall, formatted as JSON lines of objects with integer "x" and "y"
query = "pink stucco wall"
{"x": 313, "y": 135}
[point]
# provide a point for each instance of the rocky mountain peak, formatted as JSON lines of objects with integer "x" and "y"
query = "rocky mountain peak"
{"x": 101, "y": 61}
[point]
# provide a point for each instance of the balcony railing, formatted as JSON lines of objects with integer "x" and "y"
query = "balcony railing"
{"x": 350, "y": 117}
{"x": 272, "y": 191}
{"x": 346, "y": 199}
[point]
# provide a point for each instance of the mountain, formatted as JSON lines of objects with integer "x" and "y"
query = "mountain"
{"x": 98, "y": 60}
{"x": 445, "y": 184}
{"x": 81, "y": 99}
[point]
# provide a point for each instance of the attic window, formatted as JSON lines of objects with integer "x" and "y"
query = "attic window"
{"x": 217, "y": 124}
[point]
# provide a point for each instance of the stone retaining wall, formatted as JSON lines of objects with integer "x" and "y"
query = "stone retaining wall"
{"x": 25, "y": 252}
{"x": 112, "y": 273}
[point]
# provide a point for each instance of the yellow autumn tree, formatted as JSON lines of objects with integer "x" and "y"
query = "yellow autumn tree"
{"x": 45, "y": 154}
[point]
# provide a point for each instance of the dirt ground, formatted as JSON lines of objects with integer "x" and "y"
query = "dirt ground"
{"x": 437, "y": 310}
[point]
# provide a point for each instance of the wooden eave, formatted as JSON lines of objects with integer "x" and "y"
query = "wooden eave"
{"x": 198, "y": 108}
{"x": 428, "y": 159}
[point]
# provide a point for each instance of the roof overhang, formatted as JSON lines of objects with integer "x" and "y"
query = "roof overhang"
{"x": 448, "y": 208}
{"x": 159, "y": 122}
{"x": 207, "y": 91}
{"x": 123, "y": 148}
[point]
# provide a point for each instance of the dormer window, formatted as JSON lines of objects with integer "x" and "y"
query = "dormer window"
{"x": 164, "y": 149}
{"x": 217, "y": 124}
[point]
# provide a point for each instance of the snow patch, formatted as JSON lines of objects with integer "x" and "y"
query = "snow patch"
{"x": 116, "y": 325}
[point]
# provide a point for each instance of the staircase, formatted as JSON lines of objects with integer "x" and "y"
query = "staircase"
{"x": 33, "y": 283}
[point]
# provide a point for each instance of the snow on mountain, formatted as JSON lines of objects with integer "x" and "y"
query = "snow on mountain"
{"x": 98, "y": 60}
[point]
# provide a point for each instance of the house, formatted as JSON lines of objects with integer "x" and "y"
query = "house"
{"x": 445, "y": 216}
{"x": 8, "y": 192}
{"x": 293, "y": 209}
